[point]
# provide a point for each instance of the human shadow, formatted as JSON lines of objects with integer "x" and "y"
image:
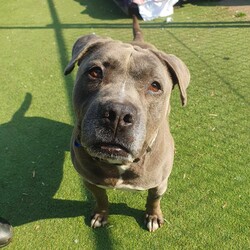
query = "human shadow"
{"x": 99, "y": 9}
{"x": 31, "y": 168}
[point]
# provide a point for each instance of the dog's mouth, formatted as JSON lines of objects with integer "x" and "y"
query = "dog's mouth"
{"x": 114, "y": 149}
{"x": 111, "y": 152}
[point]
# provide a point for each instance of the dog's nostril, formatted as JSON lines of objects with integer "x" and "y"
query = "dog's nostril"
{"x": 111, "y": 115}
{"x": 128, "y": 118}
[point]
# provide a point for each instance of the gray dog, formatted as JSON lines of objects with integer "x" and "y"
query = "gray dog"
{"x": 121, "y": 138}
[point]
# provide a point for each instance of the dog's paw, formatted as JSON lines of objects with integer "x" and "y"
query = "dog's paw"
{"x": 99, "y": 220}
{"x": 153, "y": 221}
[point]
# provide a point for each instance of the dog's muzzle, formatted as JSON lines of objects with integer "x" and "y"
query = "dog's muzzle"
{"x": 110, "y": 132}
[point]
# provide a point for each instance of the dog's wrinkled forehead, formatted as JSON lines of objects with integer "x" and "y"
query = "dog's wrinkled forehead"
{"x": 125, "y": 57}
{"x": 110, "y": 53}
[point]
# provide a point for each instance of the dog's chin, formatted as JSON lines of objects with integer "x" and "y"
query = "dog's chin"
{"x": 110, "y": 153}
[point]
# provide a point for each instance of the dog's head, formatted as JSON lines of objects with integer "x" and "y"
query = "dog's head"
{"x": 121, "y": 96}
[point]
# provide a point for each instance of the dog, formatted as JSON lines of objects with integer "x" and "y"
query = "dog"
{"x": 121, "y": 138}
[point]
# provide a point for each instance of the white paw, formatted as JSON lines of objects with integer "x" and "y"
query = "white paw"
{"x": 99, "y": 220}
{"x": 153, "y": 222}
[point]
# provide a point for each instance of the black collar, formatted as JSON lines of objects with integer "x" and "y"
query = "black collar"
{"x": 77, "y": 144}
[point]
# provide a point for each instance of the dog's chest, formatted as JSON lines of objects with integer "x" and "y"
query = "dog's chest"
{"x": 127, "y": 178}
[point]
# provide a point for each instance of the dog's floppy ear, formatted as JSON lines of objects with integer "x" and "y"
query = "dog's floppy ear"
{"x": 83, "y": 45}
{"x": 179, "y": 73}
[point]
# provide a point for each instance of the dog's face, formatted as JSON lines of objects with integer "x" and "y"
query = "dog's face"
{"x": 121, "y": 96}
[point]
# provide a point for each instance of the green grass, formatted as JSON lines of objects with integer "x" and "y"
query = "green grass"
{"x": 207, "y": 202}
{"x": 240, "y": 14}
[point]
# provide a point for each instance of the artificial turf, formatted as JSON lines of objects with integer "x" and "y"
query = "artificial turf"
{"x": 207, "y": 202}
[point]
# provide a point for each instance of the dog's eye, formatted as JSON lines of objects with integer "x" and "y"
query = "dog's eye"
{"x": 154, "y": 87}
{"x": 95, "y": 73}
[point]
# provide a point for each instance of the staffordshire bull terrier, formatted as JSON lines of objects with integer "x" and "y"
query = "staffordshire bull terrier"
{"x": 121, "y": 138}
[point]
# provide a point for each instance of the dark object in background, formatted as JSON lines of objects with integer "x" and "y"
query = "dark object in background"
{"x": 128, "y": 7}
{"x": 179, "y": 4}
{"x": 6, "y": 232}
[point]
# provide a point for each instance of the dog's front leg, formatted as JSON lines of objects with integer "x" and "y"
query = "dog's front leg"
{"x": 154, "y": 217}
{"x": 100, "y": 215}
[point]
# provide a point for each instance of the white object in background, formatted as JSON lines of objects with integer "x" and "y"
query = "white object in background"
{"x": 169, "y": 19}
{"x": 152, "y": 9}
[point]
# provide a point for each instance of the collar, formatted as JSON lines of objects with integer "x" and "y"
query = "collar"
{"x": 77, "y": 143}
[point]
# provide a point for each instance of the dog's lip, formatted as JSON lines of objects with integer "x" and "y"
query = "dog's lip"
{"x": 113, "y": 153}
{"x": 113, "y": 148}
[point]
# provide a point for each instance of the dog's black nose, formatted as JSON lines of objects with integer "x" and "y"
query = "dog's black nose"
{"x": 119, "y": 115}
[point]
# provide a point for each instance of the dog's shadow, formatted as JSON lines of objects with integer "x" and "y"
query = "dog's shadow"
{"x": 31, "y": 170}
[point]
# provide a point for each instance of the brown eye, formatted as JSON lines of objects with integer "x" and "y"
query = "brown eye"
{"x": 154, "y": 87}
{"x": 95, "y": 73}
